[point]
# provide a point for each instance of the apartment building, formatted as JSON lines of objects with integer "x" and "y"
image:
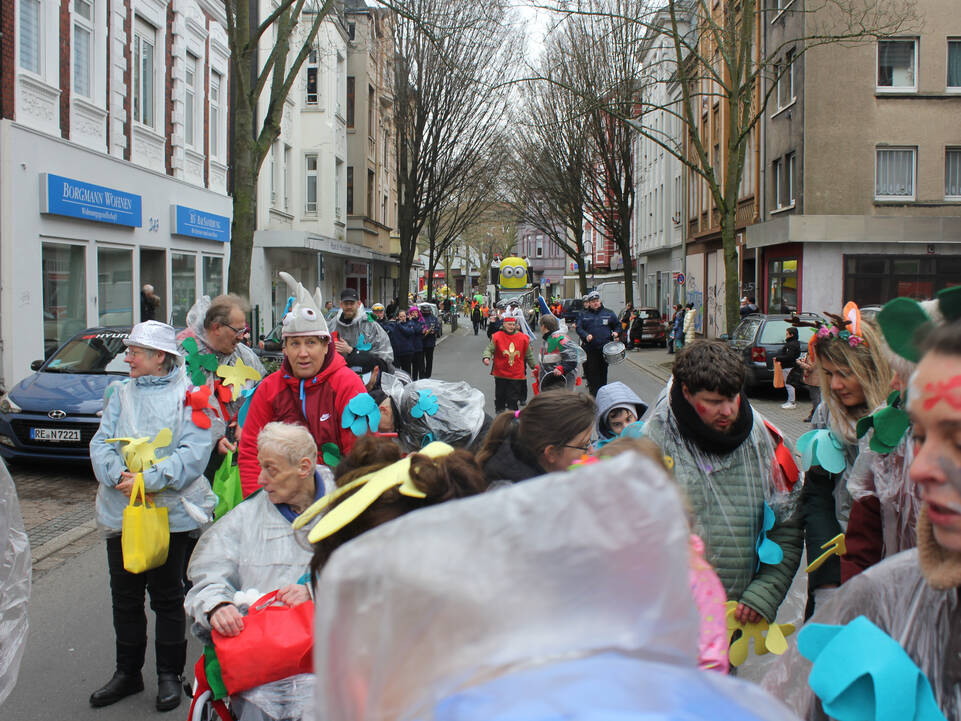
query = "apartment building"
{"x": 113, "y": 165}
{"x": 862, "y": 165}
{"x": 545, "y": 258}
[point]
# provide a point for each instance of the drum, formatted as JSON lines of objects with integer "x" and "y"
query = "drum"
{"x": 614, "y": 352}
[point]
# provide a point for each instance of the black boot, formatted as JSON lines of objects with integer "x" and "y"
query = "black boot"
{"x": 171, "y": 658}
{"x": 120, "y": 686}
{"x": 169, "y": 687}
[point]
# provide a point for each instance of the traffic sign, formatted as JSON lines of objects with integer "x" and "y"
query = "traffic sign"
{"x": 680, "y": 279}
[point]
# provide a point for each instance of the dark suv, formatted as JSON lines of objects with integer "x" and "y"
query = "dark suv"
{"x": 572, "y": 308}
{"x": 758, "y": 338}
{"x": 647, "y": 328}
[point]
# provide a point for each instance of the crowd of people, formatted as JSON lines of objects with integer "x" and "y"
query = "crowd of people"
{"x": 352, "y": 433}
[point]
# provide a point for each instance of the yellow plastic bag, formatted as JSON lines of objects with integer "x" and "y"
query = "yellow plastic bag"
{"x": 145, "y": 538}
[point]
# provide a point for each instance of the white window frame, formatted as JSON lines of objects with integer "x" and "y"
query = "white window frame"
{"x": 39, "y": 32}
{"x": 951, "y": 149}
{"x": 141, "y": 28}
{"x": 190, "y": 99}
{"x": 947, "y": 50}
{"x": 539, "y": 246}
{"x": 777, "y": 170}
{"x": 312, "y": 64}
{"x": 310, "y": 206}
{"x": 914, "y": 173}
{"x": 216, "y": 114}
{"x": 285, "y": 170}
{"x": 877, "y": 68}
{"x": 780, "y": 6}
{"x": 84, "y": 25}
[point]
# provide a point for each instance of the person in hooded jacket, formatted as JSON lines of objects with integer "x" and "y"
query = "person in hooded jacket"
{"x": 552, "y": 432}
{"x": 360, "y": 340}
{"x": 617, "y": 407}
{"x": 313, "y": 388}
{"x": 432, "y": 331}
{"x": 417, "y": 359}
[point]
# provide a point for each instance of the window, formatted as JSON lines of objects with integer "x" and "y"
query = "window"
{"x": 312, "y": 71}
{"x": 338, "y": 179}
{"x": 216, "y": 79}
{"x": 784, "y": 181}
{"x": 350, "y": 102}
{"x": 785, "y": 81}
{"x": 213, "y": 279}
{"x": 539, "y": 247}
{"x": 351, "y": 30}
{"x": 310, "y": 189}
{"x": 63, "y": 271}
{"x": 894, "y": 174}
{"x": 115, "y": 286}
{"x": 954, "y": 64}
{"x": 183, "y": 277}
{"x": 777, "y": 174}
{"x": 897, "y": 60}
{"x": 789, "y": 170}
{"x": 874, "y": 279}
{"x": 190, "y": 99}
{"x": 350, "y": 190}
{"x": 285, "y": 171}
{"x": 274, "y": 152}
{"x": 82, "y": 46}
{"x": 782, "y": 283}
{"x": 30, "y": 35}
{"x": 370, "y": 112}
{"x": 370, "y": 193}
{"x": 952, "y": 173}
{"x": 144, "y": 41}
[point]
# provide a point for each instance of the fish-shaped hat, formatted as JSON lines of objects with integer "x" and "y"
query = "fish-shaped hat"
{"x": 304, "y": 316}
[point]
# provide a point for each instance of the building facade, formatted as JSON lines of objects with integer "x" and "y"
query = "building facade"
{"x": 862, "y": 189}
{"x": 113, "y": 165}
{"x": 547, "y": 261}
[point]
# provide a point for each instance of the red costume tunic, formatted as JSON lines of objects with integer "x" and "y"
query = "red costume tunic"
{"x": 510, "y": 351}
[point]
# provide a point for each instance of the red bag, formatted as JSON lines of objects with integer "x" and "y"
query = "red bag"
{"x": 277, "y": 642}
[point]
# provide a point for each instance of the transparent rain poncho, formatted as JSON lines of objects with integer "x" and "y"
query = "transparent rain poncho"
{"x": 14, "y": 584}
{"x": 495, "y": 596}
{"x": 435, "y": 410}
{"x": 727, "y": 494}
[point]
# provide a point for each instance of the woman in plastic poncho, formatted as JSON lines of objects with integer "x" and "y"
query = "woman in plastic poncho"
{"x": 914, "y": 595}
{"x": 151, "y": 402}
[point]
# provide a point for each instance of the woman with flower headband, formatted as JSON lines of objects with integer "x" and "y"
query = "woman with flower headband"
{"x": 855, "y": 381}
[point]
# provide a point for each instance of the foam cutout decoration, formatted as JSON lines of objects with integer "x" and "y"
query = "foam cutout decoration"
{"x": 248, "y": 396}
{"x": 889, "y": 423}
{"x": 139, "y": 454}
{"x": 368, "y": 489}
{"x": 860, "y": 673}
{"x": 363, "y": 343}
{"x": 237, "y": 376}
{"x": 835, "y": 547}
{"x": 821, "y": 448}
{"x": 360, "y": 414}
{"x": 767, "y": 550}
{"x": 426, "y": 404}
{"x": 905, "y": 323}
{"x": 198, "y": 362}
{"x": 198, "y": 400}
{"x": 222, "y": 392}
{"x": 773, "y": 641}
{"x": 330, "y": 454}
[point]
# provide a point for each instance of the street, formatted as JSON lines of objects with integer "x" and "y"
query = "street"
{"x": 70, "y": 647}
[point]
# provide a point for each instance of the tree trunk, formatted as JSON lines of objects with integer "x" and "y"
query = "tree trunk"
{"x": 582, "y": 275}
{"x": 628, "y": 272}
{"x": 245, "y": 200}
{"x": 732, "y": 312}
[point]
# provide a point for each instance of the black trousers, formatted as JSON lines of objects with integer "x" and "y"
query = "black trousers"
{"x": 428, "y": 368}
{"x": 476, "y": 326}
{"x": 417, "y": 365}
{"x": 403, "y": 362}
{"x": 595, "y": 370}
{"x": 508, "y": 393}
{"x": 166, "y": 587}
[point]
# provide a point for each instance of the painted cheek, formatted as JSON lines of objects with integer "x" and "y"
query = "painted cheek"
{"x": 700, "y": 408}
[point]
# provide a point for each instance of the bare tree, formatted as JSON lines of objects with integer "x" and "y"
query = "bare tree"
{"x": 294, "y": 24}
{"x": 494, "y": 234}
{"x": 453, "y": 59}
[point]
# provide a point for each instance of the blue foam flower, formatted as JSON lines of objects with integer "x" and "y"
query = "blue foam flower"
{"x": 427, "y": 440}
{"x": 248, "y": 395}
{"x": 360, "y": 414}
{"x": 426, "y": 403}
{"x": 821, "y": 448}
{"x": 860, "y": 673}
{"x": 362, "y": 343}
{"x": 767, "y": 550}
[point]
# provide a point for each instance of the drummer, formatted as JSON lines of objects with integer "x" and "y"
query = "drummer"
{"x": 597, "y": 326}
{"x": 509, "y": 353}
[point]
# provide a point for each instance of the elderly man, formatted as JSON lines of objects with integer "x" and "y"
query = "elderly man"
{"x": 727, "y": 461}
{"x": 361, "y": 341}
{"x": 597, "y": 326}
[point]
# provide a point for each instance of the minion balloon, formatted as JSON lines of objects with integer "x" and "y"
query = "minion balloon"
{"x": 513, "y": 274}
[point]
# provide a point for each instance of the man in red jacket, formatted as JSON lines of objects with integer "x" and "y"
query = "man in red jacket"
{"x": 510, "y": 352}
{"x": 313, "y": 388}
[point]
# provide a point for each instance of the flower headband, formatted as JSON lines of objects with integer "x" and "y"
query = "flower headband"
{"x": 845, "y": 327}
{"x": 372, "y": 487}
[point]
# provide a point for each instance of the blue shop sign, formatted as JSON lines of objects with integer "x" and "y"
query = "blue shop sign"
{"x": 198, "y": 224}
{"x": 76, "y": 199}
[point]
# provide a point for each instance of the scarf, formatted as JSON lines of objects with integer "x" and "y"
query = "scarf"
{"x": 707, "y": 438}
{"x": 941, "y": 568}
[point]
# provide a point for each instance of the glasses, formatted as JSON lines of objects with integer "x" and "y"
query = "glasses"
{"x": 583, "y": 449}
{"x": 237, "y": 331}
{"x": 131, "y": 353}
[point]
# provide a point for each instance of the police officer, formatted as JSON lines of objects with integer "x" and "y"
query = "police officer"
{"x": 597, "y": 326}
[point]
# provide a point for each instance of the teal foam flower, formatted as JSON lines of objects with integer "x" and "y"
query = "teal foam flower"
{"x": 426, "y": 404}
{"x": 363, "y": 343}
{"x": 360, "y": 414}
{"x": 767, "y": 550}
{"x": 821, "y": 448}
{"x": 248, "y": 395}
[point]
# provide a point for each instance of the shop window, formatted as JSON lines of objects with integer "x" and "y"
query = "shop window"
{"x": 213, "y": 279}
{"x": 115, "y": 286}
{"x": 64, "y": 292}
{"x": 144, "y": 42}
{"x": 183, "y": 276}
{"x": 876, "y": 279}
{"x": 782, "y": 280}
{"x": 30, "y": 37}
{"x": 82, "y": 46}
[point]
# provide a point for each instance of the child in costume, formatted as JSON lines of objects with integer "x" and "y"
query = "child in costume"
{"x": 509, "y": 353}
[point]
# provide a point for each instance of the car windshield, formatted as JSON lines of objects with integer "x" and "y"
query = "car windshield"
{"x": 91, "y": 353}
{"x": 746, "y": 330}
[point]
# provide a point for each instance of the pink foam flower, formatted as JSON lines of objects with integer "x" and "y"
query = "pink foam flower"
{"x": 854, "y": 341}
{"x": 823, "y": 332}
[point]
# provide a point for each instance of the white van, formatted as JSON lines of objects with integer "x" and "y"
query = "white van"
{"x": 612, "y": 295}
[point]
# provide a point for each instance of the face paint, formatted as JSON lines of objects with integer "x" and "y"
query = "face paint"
{"x": 948, "y": 391}
{"x": 952, "y": 475}
{"x": 700, "y": 408}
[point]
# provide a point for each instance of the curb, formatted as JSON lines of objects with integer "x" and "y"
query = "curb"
{"x": 656, "y": 371}
{"x": 63, "y": 540}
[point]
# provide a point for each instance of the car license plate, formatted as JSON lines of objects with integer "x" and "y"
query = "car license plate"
{"x": 647, "y": 335}
{"x": 55, "y": 435}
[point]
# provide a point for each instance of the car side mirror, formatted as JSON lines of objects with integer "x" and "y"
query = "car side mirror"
{"x": 725, "y": 336}
{"x": 35, "y": 366}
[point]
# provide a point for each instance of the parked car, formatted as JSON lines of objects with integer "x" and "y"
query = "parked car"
{"x": 571, "y": 308}
{"x": 647, "y": 328}
{"x": 758, "y": 338}
{"x": 53, "y": 413}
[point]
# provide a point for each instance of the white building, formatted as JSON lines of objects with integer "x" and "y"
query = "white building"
{"x": 657, "y": 227}
{"x": 113, "y": 165}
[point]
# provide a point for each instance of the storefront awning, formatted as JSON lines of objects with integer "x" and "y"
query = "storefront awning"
{"x": 298, "y": 240}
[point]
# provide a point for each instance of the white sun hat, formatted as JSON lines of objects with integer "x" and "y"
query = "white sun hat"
{"x": 154, "y": 335}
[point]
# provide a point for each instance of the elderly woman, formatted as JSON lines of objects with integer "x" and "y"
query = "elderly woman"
{"x": 253, "y": 547}
{"x": 150, "y": 406}
{"x": 313, "y": 388}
